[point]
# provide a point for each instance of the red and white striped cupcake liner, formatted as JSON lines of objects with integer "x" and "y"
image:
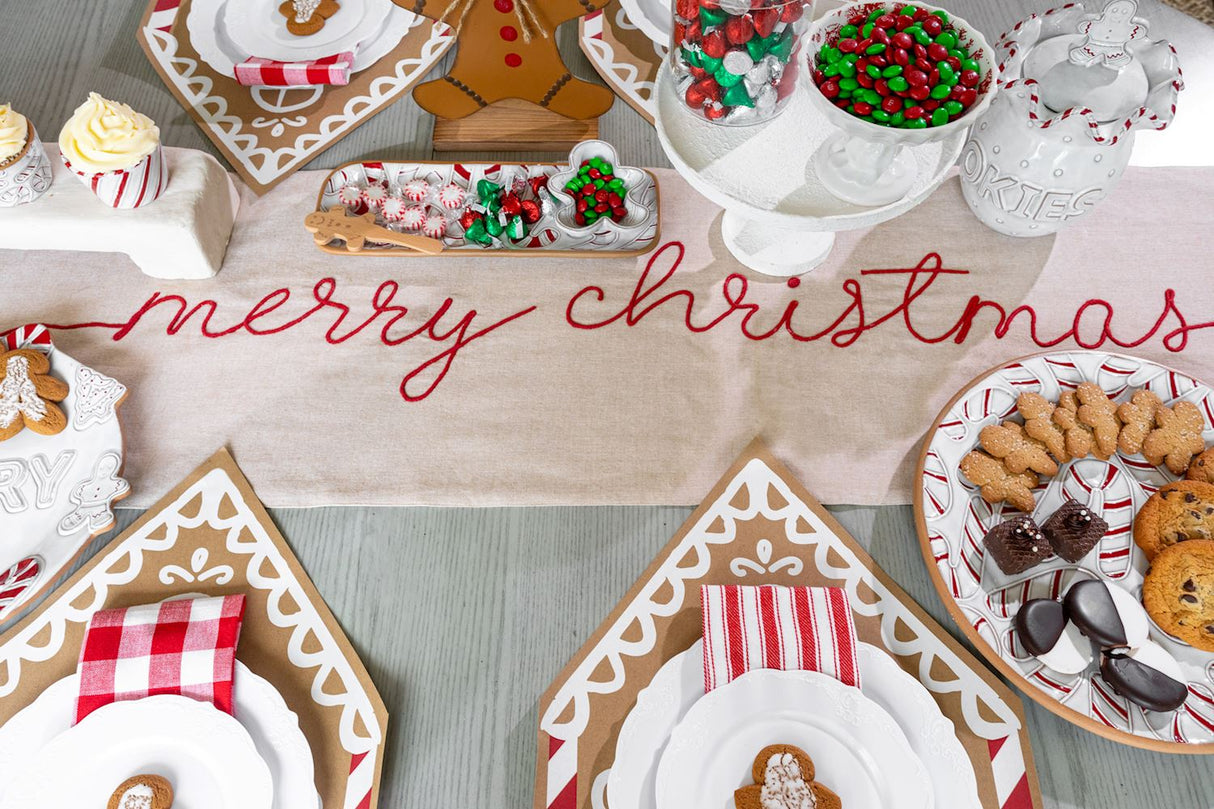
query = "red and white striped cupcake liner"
{"x": 128, "y": 188}
{"x": 28, "y": 175}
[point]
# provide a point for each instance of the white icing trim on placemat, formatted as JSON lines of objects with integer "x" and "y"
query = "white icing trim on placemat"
{"x": 241, "y": 141}
{"x": 266, "y": 570}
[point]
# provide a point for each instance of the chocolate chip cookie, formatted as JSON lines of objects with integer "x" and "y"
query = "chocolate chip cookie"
{"x": 1178, "y": 512}
{"x": 1179, "y": 592}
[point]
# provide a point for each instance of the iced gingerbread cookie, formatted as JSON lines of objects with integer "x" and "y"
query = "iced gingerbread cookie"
{"x": 1038, "y": 414}
{"x": 1080, "y": 441}
{"x": 307, "y": 17}
{"x": 784, "y": 779}
{"x": 1179, "y": 592}
{"x": 1137, "y": 420}
{"x": 142, "y": 792}
{"x": 1177, "y": 513}
{"x": 1019, "y": 452}
{"x": 28, "y": 394}
{"x": 57, "y": 487}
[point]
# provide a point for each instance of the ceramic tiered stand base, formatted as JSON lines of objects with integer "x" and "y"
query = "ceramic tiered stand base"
{"x": 779, "y": 219}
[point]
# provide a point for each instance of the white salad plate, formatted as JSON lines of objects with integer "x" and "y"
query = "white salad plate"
{"x": 655, "y": 18}
{"x": 273, "y": 727}
{"x": 679, "y": 684}
{"x": 207, "y": 756}
{"x": 858, "y": 749}
{"x": 211, "y": 34}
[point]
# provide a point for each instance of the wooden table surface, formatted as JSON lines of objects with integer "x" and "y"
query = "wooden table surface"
{"x": 463, "y": 616}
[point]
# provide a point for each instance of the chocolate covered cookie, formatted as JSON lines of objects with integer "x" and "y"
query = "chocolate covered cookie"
{"x": 1073, "y": 530}
{"x": 1179, "y": 592}
{"x": 1178, "y": 512}
{"x": 1017, "y": 545}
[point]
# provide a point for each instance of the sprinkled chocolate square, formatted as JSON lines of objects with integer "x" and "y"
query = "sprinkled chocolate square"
{"x": 1016, "y": 545}
{"x": 1073, "y": 530}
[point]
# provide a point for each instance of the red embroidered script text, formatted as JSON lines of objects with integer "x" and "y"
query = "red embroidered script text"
{"x": 654, "y": 295}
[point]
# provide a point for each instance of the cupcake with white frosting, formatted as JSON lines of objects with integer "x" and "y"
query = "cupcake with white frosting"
{"x": 116, "y": 152}
{"x": 25, "y": 170}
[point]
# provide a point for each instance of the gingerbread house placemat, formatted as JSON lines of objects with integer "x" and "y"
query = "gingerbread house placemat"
{"x": 267, "y": 133}
{"x": 211, "y": 536}
{"x": 624, "y": 56}
{"x": 760, "y": 526}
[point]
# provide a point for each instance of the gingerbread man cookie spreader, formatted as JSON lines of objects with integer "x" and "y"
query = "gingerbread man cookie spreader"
{"x": 507, "y": 49}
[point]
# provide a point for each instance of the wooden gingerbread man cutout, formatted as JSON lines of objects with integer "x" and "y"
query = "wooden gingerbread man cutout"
{"x": 507, "y": 49}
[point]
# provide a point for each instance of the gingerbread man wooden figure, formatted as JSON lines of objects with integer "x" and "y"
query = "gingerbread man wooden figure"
{"x": 507, "y": 49}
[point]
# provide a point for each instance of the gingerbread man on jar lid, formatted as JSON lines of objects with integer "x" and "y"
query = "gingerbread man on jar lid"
{"x": 507, "y": 49}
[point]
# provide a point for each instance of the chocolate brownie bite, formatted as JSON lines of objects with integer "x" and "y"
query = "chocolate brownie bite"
{"x": 1017, "y": 545}
{"x": 1073, "y": 530}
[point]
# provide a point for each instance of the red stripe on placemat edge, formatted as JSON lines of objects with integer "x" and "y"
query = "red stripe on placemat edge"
{"x": 1021, "y": 797}
{"x": 995, "y": 746}
{"x": 567, "y": 798}
{"x": 355, "y": 760}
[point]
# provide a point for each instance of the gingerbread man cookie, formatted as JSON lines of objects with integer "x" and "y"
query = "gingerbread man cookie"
{"x": 1038, "y": 414}
{"x": 28, "y": 394}
{"x": 784, "y": 779}
{"x": 1080, "y": 442}
{"x": 1177, "y": 438}
{"x": 1019, "y": 452}
{"x": 1137, "y": 420}
{"x": 142, "y": 792}
{"x": 507, "y": 49}
{"x": 998, "y": 485}
{"x": 1096, "y": 410}
{"x": 307, "y": 17}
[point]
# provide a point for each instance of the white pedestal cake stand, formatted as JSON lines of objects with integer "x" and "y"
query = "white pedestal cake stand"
{"x": 779, "y": 220}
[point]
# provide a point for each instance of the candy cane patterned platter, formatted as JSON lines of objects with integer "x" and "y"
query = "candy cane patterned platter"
{"x": 952, "y": 519}
{"x": 432, "y": 198}
{"x": 57, "y": 491}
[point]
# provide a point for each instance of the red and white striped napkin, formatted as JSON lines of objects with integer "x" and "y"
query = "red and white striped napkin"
{"x": 258, "y": 72}
{"x": 185, "y": 647}
{"x": 784, "y": 628}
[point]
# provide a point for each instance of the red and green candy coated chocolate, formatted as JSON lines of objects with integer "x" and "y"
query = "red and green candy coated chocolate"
{"x": 900, "y": 67}
{"x": 597, "y": 192}
{"x": 705, "y": 31}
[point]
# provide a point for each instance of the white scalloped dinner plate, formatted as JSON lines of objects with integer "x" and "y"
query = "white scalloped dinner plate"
{"x": 680, "y": 683}
{"x": 858, "y": 750}
{"x": 206, "y": 755}
{"x": 258, "y": 27}
{"x": 953, "y": 518}
{"x": 273, "y": 727}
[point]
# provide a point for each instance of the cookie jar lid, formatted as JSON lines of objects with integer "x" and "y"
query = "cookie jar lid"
{"x": 1099, "y": 66}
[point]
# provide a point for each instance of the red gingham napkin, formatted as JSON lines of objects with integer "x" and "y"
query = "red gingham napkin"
{"x": 185, "y": 647}
{"x": 785, "y": 628}
{"x": 257, "y": 72}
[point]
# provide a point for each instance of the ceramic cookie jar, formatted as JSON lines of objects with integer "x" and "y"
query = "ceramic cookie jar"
{"x": 1075, "y": 86}
{"x": 60, "y": 462}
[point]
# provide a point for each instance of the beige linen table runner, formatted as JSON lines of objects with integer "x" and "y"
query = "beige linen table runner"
{"x": 523, "y": 381}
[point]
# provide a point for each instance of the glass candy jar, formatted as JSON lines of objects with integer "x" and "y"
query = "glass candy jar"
{"x": 735, "y": 62}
